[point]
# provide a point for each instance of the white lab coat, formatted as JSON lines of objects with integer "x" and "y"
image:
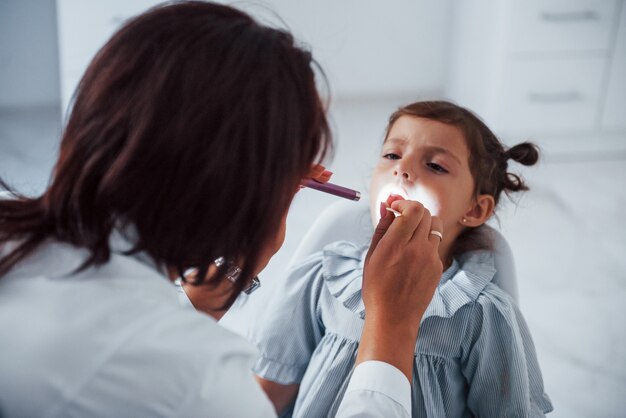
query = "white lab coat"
{"x": 115, "y": 341}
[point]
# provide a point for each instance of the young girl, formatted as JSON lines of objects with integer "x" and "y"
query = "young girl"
{"x": 474, "y": 355}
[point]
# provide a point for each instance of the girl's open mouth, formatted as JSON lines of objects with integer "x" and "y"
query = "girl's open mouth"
{"x": 422, "y": 195}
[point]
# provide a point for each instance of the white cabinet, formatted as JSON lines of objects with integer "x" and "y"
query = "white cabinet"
{"x": 561, "y": 25}
{"x": 540, "y": 68}
{"x": 552, "y": 94}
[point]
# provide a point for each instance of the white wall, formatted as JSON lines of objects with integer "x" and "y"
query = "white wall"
{"x": 372, "y": 48}
{"x": 29, "y": 69}
{"x": 30, "y": 113}
{"x": 367, "y": 48}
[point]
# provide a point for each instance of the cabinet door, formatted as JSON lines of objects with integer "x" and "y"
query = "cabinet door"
{"x": 614, "y": 114}
{"x": 559, "y": 95}
{"x": 562, "y": 25}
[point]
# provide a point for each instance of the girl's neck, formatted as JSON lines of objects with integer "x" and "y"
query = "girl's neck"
{"x": 447, "y": 262}
{"x": 445, "y": 255}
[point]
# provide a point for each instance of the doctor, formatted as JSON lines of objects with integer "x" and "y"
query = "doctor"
{"x": 189, "y": 134}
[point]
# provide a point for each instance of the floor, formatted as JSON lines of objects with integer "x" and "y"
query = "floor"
{"x": 568, "y": 235}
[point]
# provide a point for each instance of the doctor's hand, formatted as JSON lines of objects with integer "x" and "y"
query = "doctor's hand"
{"x": 402, "y": 270}
{"x": 318, "y": 173}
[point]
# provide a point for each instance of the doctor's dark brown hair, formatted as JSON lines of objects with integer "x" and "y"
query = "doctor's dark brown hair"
{"x": 194, "y": 125}
{"x": 488, "y": 159}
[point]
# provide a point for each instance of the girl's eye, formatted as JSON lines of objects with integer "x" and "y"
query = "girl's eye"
{"x": 436, "y": 167}
{"x": 391, "y": 156}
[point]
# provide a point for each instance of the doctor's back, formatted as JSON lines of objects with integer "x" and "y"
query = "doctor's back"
{"x": 112, "y": 341}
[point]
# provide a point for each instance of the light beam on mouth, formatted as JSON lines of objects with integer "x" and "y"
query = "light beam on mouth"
{"x": 419, "y": 194}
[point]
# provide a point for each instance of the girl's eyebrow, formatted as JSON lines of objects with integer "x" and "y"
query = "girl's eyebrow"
{"x": 396, "y": 139}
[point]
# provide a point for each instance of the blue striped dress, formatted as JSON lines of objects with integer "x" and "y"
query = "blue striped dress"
{"x": 474, "y": 355}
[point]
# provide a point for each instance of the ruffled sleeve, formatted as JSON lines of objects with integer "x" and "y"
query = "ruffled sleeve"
{"x": 291, "y": 327}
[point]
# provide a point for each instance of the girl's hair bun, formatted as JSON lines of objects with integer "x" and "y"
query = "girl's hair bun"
{"x": 525, "y": 153}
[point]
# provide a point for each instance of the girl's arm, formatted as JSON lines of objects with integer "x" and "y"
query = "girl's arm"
{"x": 500, "y": 363}
{"x": 288, "y": 331}
{"x": 281, "y": 395}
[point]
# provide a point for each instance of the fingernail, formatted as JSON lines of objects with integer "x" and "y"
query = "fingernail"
{"x": 327, "y": 173}
{"x": 383, "y": 210}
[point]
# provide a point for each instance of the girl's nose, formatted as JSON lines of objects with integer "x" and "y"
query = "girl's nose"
{"x": 406, "y": 174}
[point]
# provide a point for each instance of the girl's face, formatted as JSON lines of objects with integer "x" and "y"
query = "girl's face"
{"x": 426, "y": 161}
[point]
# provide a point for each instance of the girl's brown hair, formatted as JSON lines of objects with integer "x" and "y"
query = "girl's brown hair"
{"x": 488, "y": 158}
{"x": 194, "y": 125}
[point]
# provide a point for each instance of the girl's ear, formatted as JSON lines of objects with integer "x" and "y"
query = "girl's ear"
{"x": 479, "y": 212}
